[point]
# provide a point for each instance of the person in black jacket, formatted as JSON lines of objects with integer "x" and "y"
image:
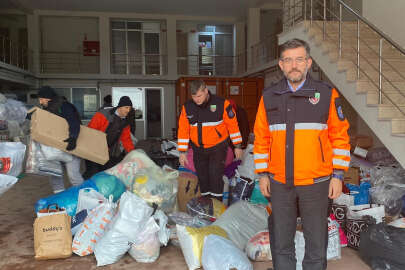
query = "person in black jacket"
{"x": 55, "y": 104}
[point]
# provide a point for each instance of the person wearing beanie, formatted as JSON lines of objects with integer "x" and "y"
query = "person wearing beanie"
{"x": 107, "y": 102}
{"x": 113, "y": 122}
{"x": 51, "y": 102}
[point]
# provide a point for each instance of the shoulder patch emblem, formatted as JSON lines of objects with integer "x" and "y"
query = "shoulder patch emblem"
{"x": 315, "y": 100}
{"x": 340, "y": 113}
{"x": 213, "y": 108}
{"x": 231, "y": 114}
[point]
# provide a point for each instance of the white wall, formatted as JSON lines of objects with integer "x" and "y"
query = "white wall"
{"x": 388, "y": 16}
{"x": 66, "y": 34}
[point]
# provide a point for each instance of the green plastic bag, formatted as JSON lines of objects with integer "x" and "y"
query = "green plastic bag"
{"x": 257, "y": 196}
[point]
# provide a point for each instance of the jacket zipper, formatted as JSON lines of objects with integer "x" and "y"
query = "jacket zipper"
{"x": 271, "y": 151}
{"x": 219, "y": 134}
{"x": 320, "y": 145}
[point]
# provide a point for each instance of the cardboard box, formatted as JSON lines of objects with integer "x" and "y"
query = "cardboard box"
{"x": 362, "y": 141}
{"x": 50, "y": 129}
{"x": 352, "y": 176}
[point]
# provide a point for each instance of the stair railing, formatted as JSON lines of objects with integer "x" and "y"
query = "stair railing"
{"x": 319, "y": 10}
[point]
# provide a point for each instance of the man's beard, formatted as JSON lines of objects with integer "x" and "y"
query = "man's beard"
{"x": 296, "y": 79}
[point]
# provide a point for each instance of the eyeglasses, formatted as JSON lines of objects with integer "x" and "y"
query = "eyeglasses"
{"x": 298, "y": 61}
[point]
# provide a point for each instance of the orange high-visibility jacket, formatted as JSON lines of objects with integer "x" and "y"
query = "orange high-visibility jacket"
{"x": 301, "y": 137}
{"x": 207, "y": 125}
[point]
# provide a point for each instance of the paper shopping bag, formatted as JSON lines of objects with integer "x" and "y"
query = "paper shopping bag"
{"x": 52, "y": 235}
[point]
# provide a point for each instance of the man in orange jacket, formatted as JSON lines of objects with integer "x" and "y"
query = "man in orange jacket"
{"x": 114, "y": 122}
{"x": 301, "y": 151}
{"x": 206, "y": 123}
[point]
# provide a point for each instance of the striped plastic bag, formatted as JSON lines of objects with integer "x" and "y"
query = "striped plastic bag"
{"x": 93, "y": 228}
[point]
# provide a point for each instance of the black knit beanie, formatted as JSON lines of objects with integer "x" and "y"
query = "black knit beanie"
{"x": 125, "y": 101}
{"x": 46, "y": 92}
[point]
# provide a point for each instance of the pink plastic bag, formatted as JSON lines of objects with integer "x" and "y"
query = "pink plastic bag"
{"x": 343, "y": 238}
{"x": 190, "y": 162}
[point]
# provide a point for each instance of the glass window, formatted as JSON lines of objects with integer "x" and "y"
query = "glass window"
{"x": 135, "y": 94}
{"x": 63, "y": 92}
{"x": 117, "y": 24}
{"x": 138, "y": 47}
{"x": 86, "y": 100}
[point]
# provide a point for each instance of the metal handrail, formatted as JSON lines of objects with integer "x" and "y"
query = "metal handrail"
{"x": 372, "y": 26}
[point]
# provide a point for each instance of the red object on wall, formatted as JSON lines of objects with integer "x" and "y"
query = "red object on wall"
{"x": 91, "y": 48}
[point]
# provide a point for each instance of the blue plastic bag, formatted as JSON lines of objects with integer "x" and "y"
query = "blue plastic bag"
{"x": 108, "y": 184}
{"x": 221, "y": 254}
{"x": 66, "y": 199}
{"x": 360, "y": 193}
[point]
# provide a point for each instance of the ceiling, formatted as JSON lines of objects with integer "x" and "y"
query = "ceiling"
{"x": 231, "y": 8}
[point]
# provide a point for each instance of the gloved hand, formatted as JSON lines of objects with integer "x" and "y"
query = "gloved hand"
{"x": 71, "y": 143}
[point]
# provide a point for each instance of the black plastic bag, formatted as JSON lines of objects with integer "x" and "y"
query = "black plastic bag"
{"x": 382, "y": 247}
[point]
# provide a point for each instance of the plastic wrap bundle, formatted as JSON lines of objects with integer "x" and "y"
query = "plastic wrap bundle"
{"x": 242, "y": 221}
{"x": 157, "y": 186}
{"x": 221, "y": 254}
{"x": 130, "y": 165}
{"x": 133, "y": 213}
{"x": 13, "y": 110}
{"x": 38, "y": 164}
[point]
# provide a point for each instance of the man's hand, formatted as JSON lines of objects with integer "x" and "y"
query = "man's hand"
{"x": 238, "y": 153}
{"x": 71, "y": 143}
{"x": 264, "y": 184}
{"x": 335, "y": 188}
{"x": 183, "y": 159}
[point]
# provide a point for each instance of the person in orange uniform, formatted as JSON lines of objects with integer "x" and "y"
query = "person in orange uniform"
{"x": 301, "y": 151}
{"x": 207, "y": 122}
{"x": 114, "y": 122}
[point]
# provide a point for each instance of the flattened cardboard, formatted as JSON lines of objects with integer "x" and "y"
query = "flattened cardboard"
{"x": 50, "y": 129}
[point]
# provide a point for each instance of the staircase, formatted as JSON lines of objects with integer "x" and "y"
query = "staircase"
{"x": 357, "y": 76}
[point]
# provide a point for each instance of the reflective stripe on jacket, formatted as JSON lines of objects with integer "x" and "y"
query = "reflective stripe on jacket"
{"x": 300, "y": 137}
{"x": 207, "y": 125}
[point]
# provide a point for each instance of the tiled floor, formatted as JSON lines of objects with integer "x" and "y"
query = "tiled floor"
{"x": 16, "y": 239}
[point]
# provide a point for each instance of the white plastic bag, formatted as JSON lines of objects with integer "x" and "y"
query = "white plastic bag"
{"x": 133, "y": 213}
{"x": 242, "y": 220}
{"x": 146, "y": 247}
{"x": 164, "y": 232}
{"x": 258, "y": 247}
{"x": 6, "y": 182}
{"x": 89, "y": 199}
{"x": 221, "y": 254}
{"x": 11, "y": 158}
{"x": 93, "y": 228}
{"x": 374, "y": 210}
